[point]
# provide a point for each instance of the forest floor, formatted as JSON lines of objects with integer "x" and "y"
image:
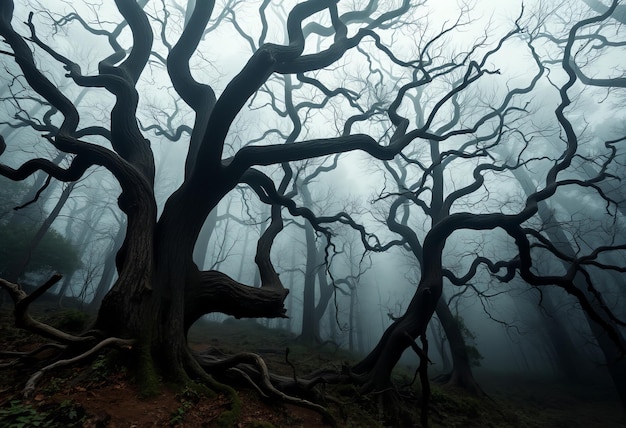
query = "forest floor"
{"x": 101, "y": 392}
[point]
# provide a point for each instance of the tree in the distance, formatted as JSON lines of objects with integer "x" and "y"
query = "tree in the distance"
{"x": 160, "y": 292}
{"x": 28, "y": 246}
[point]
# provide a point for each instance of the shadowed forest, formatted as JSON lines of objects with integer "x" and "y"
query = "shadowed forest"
{"x": 318, "y": 213}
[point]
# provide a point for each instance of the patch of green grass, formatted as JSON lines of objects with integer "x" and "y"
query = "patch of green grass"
{"x": 148, "y": 380}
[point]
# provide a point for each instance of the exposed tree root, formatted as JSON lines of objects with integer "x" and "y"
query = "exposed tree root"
{"x": 197, "y": 371}
{"x": 30, "y": 354}
{"x": 32, "y": 381}
{"x": 21, "y": 356}
{"x": 303, "y": 384}
{"x": 456, "y": 380}
{"x": 264, "y": 382}
{"x": 249, "y": 367}
{"x": 248, "y": 379}
{"x": 25, "y": 321}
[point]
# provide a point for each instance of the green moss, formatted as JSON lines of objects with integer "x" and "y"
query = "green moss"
{"x": 148, "y": 379}
{"x": 230, "y": 417}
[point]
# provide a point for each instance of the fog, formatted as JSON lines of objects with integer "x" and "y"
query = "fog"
{"x": 453, "y": 153}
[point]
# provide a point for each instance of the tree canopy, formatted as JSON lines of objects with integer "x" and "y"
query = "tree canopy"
{"x": 480, "y": 137}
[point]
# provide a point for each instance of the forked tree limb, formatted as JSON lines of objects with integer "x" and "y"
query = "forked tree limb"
{"x": 24, "y": 320}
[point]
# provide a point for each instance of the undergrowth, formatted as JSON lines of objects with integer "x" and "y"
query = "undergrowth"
{"x": 66, "y": 403}
{"x": 19, "y": 414}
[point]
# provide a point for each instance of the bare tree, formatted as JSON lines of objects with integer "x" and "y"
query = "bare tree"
{"x": 160, "y": 292}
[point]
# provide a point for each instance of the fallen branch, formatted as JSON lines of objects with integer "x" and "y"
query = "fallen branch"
{"x": 23, "y": 319}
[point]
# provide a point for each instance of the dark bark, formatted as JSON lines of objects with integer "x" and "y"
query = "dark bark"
{"x": 332, "y": 324}
{"x": 441, "y": 340}
{"x": 216, "y": 292}
{"x": 569, "y": 361}
{"x": 376, "y": 367}
{"x": 326, "y": 289}
{"x": 566, "y": 356}
{"x": 202, "y": 244}
{"x": 611, "y": 188}
{"x": 310, "y": 322}
{"x": 461, "y": 374}
{"x": 352, "y": 313}
{"x": 160, "y": 291}
{"x": 619, "y": 14}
